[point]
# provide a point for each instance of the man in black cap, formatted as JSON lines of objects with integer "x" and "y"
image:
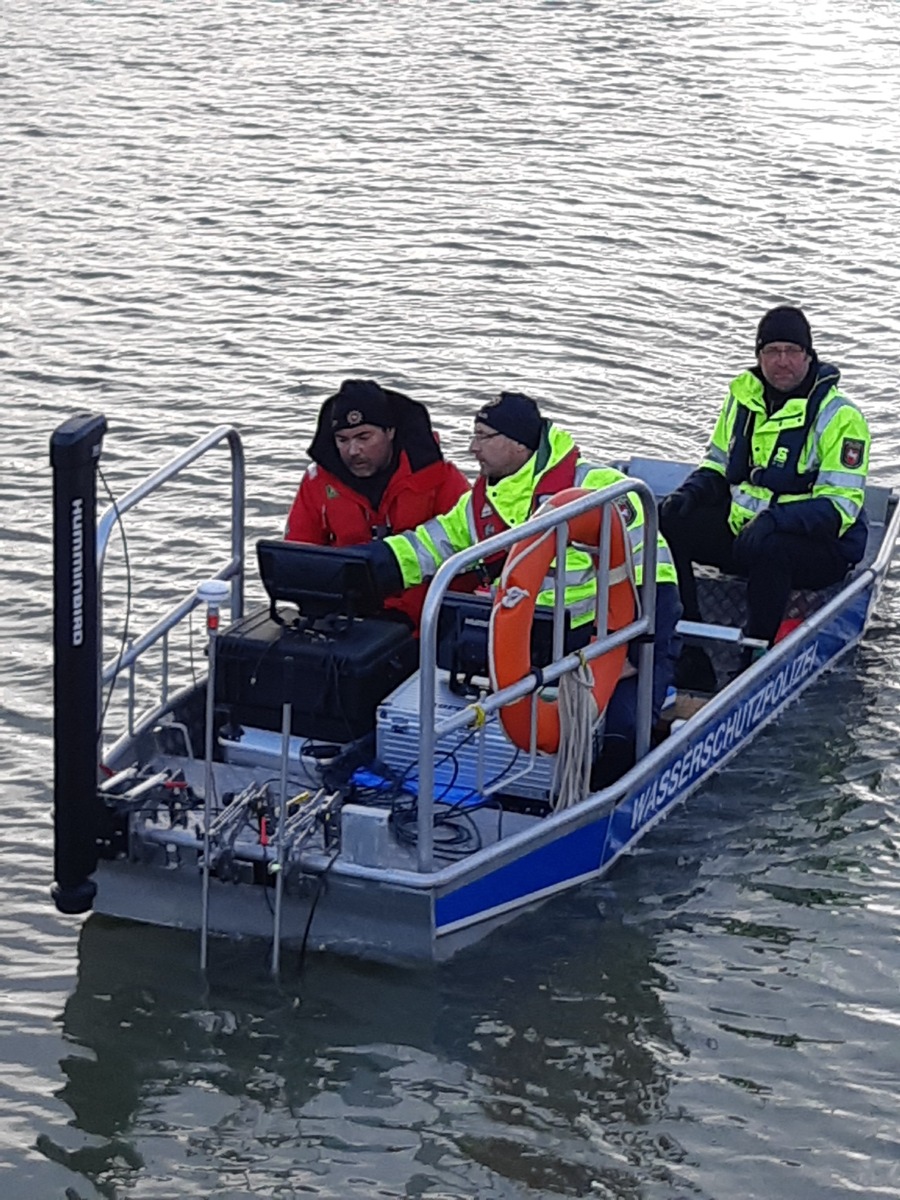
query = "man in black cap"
{"x": 779, "y": 496}
{"x": 507, "y": 433}
{"x": 376, "y": 469}
{"x": 523, "y": 458}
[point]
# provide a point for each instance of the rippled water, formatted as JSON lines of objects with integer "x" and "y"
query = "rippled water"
{"x": 215, "y": 211}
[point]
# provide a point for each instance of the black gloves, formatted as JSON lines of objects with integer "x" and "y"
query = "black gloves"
{"x": 702, "y": 487}
{"x": 678, "y": 504}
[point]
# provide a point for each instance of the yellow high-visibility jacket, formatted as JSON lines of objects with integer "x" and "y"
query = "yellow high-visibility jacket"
{"x": 805, "y": 463}
{"x": 421, "y": 551}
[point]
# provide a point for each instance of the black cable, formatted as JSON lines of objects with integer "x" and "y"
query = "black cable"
{"x": 451, "y": 753}
{"x": 312, "y": 909}
{"x": 308, "y": 751}
{"x": 488, "y": 801}
{"x": 456, "y": 843}
{"x": 453, "y": 838}
{"x": 454, "y": 775}
{"x": 455, "y": 834}
{"x": 254, "y": 674}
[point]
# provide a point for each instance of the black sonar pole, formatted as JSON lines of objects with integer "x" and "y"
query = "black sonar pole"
{"x": 74, "y": 455}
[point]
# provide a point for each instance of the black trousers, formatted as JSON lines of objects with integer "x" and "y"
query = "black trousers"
{"x": 618, "y": 748}
{"x": 778, "y": 563}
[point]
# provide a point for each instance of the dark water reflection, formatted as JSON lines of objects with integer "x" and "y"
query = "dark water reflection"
{"x": 550, "y": 1070}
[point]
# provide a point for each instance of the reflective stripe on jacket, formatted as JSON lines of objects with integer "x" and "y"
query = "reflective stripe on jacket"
{"x": 590, "y": 476}
{"x": 421, "y": 551}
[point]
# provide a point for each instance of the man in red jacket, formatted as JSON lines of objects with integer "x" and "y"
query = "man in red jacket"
{"x": 376, "y": 469}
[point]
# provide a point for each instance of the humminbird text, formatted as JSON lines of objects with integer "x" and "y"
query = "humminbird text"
{"x": 77, "y": 571}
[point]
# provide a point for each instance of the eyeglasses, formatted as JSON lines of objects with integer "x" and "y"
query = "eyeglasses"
{"x": 485, "y": 437}
{"x": 775, "y": 351}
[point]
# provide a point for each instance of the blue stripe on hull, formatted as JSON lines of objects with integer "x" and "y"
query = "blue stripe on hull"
{"x": 586, "y": 850}
{"x": 570, "y": 857}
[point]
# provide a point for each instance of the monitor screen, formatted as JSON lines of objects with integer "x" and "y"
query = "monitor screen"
{"x": 320, "y": 580}
{"x": 463, "y": 634}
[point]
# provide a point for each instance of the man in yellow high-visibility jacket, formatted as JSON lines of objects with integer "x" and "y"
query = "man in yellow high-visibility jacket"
{"x": 779, "y": 495}
{"x": 523, "y": 459}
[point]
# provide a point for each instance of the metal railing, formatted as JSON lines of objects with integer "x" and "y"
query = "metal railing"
{"x": 233, "y": 570}
{"x": 431, "y": 730}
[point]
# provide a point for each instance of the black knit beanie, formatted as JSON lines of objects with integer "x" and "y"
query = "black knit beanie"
{"x": 784, "y": 324}
{"x": 361, "y": 402}
{"x": 515, "y": 415}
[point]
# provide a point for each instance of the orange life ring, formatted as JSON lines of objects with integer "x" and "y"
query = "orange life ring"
{"x": 509, "y": 646}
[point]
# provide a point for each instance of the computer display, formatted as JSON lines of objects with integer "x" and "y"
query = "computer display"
{"x": 320, "y": 580}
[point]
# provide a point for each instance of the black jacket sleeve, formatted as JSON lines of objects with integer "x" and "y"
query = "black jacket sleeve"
{"x": 708, "y": 486}
{"x": 812, "y": 518}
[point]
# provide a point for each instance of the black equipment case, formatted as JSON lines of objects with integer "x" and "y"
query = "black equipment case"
{"x": 334, "y": 678}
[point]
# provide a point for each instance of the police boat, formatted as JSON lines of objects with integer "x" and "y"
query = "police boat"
{"x": 310, "y": 773}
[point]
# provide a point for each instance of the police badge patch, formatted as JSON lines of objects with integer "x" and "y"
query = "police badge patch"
{"x": 852, "y": 451}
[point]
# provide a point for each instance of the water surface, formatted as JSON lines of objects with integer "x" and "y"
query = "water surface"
{"x": 214, "y": 212}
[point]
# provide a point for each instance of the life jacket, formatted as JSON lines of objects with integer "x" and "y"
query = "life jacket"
{"x": 781, "y": 476}
{"x": 488, "y": 521}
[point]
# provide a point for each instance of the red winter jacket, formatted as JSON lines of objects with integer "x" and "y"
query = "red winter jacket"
{"x": 327, "y": 510}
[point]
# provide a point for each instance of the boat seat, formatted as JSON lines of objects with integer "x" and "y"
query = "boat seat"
{"x": 723, "y": 602}
{"x": 877, "y": 503}
{"x": 723, "y": 598}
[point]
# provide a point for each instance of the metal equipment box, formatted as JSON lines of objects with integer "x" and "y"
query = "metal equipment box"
{"x": 456, "y": 755}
